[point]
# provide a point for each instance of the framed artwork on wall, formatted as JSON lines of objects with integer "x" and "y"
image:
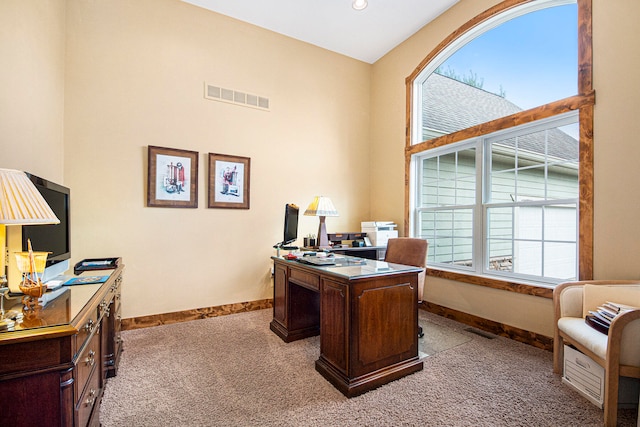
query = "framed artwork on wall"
{"x": 229, "y": 181}
{"x": 172, "y": 179}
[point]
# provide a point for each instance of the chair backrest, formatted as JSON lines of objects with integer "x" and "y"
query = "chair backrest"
{"x": 407, "y": 251}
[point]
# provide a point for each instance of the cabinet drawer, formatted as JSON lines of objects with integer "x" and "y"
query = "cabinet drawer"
{"x": 87, "y": 361}
{"x": 89, "y": 399}
{"x": 304, "y": 278}
{"x": 87, "y": 328}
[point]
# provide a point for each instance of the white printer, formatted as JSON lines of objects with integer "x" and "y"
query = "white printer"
{"x": 379, "y": 232}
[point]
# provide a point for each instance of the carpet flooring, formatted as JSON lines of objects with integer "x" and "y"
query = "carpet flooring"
{"x": 233, "y": 371}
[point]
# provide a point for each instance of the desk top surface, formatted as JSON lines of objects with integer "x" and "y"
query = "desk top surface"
{"x": 350, "y": 267}
{"x": 55, "y": 308}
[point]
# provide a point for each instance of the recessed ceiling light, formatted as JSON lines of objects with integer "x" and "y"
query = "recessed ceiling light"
{"x": 359, "y": 4}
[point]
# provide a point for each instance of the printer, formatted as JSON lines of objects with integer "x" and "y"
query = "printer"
{"x": 379, "y": 232}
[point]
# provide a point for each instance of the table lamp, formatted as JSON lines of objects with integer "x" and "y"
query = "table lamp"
{"x": 20, "y": 204}
{"x": 322, "y": 207}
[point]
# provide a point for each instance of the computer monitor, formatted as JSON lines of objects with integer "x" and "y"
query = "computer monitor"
{"x": 53, "y": 238}
{"x": 291, "y": 212}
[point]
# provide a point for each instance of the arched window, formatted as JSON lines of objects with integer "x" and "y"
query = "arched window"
{"x": 499, "y": 149}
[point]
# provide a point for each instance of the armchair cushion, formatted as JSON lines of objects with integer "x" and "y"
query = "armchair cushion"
{"x": 577, "y": 329}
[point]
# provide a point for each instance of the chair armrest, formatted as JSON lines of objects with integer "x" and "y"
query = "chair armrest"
{"x": 624, "y": 339}
{"x": 567, "y": 300}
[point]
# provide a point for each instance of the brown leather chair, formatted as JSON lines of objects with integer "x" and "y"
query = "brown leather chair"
{"x": 409, "y": 251}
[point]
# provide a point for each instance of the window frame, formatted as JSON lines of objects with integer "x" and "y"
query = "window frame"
{"x": 583, "y": 102}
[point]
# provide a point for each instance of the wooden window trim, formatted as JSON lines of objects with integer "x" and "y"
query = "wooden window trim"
{"x": 583, "y": 102}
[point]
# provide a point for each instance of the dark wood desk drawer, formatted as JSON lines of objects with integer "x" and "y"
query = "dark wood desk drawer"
{"x": 87, "y": 328}
{"x": 89, "y": 399}
{"x": 304, "y": 278}
{"x": 87, "y": 361}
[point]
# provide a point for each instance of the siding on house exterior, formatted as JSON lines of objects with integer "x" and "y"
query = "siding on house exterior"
{"x": 541, "y": 165}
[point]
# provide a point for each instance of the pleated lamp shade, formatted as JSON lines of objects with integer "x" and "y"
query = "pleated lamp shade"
{"x": 20, "y": 201}
{"x": 321, "y": 206}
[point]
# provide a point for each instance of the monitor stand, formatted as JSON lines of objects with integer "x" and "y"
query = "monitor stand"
{"x": 55, "y": 270}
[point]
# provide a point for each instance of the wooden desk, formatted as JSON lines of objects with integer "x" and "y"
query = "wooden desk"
{"x": 54, "y": 365}
{"x": 365, "y": 311}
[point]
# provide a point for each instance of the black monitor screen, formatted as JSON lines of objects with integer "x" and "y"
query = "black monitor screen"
{"x": 53, "y": 238}
{"x": 290, "y": 223}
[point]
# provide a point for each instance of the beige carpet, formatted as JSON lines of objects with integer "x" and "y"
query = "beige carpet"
{"x": 233, "y": 371}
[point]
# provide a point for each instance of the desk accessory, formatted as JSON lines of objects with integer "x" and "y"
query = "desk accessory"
{"x": 86, "y": 280}
{"x": 322, "y": 207}
{"x": 30, "y": 264}
{"x": 91, "y": 264}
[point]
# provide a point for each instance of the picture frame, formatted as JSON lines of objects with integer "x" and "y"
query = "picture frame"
{"x": 172, "y": 178}
{"x": 229, "y": 181}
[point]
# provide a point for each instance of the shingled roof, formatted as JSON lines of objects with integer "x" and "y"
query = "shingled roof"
{"x": 450, "y": 105}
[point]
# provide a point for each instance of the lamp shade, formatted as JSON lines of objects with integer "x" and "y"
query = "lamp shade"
{"x": 321, "y": 206}
{"x": 20, "y": 201}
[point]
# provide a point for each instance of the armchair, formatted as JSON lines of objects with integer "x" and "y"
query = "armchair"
{"x": 618, "y": 352}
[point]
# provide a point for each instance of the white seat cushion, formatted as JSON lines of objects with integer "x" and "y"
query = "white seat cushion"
{"x": 578, "y": 330}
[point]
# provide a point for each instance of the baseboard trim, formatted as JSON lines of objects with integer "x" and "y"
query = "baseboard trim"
{"x": 197, "y": 313}
{"x": 496, "y": 328}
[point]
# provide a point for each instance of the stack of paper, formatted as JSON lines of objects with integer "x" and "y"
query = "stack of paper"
{"x": 601, "y": 318}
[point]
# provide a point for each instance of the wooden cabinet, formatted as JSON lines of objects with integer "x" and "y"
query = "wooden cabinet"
{"x": 54, "y": 365}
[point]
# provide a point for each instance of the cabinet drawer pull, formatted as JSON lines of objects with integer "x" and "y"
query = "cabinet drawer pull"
{"x": 104, "y": 308}
{"x": 90, "y": 360}
{"x": 88, "y": 327}
{"x": 91, "y": 399}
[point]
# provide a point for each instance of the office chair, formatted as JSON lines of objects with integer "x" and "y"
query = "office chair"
{"x": 410, "y": 251}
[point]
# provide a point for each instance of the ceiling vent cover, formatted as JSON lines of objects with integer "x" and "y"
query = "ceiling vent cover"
{"x": 232, "y": 96}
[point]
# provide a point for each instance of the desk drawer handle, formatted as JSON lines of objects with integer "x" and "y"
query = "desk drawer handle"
{"x": 91, "y": 399}
{"x": 104, "y": 308}
{"x": 90, "y": 359}
{"x": 88, "y": 327}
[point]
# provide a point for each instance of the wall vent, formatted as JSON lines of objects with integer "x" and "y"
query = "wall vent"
{"x": 232, "y": 96}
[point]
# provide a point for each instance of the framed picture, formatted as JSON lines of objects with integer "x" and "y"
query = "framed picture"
{"x": 229, "y": 181}
{"x": 172, "y": 180}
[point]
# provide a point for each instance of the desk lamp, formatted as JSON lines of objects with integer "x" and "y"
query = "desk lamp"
{"x": 322, "y": 207}
{"x": 20, "y": 204}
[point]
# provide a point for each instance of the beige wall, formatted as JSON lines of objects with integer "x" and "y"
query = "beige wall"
{"x": 32, "y": 48}
{"x": 617, "y": 235}
{"x": 135, "y": 77}
{"x": 131, "y": 75}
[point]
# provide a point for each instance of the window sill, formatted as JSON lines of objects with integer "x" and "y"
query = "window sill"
{"x": 503, "y": 285}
